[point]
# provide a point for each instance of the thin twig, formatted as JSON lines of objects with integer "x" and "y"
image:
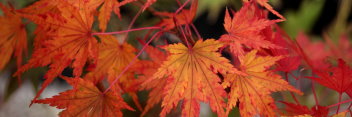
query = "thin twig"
{"x": 132, "y": 61}
{"x": 124, "y": 31}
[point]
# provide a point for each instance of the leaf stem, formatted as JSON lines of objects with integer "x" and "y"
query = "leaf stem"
{"x": 293, "y": 95}
{"x": 122, "y": 3}
{"x": 349, "y": 108}
{"x": 100, "y": 86}
{"x": 196, "y": 30}
{"x": 132, "y": 61}
{"x": 337, "y": 104}
{"x": 124, "y": 31}
{"x": 181, "y": 7}
{"x": 295, "y": 77}
{"x": 315, "y": 94}
{"x": 184, "y": 40}
{"x": 184, "y": 36}
{"x": 338, "y": 107}
{"x": 132, "y": 22}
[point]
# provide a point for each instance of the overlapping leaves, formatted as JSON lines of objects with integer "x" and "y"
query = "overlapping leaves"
{"x": 244, "y": 30}
{"x": 253, "y": 89}
{"x": 72, "y": 43}
{"x": 193, "y": 77}
{"x": 87, "y": 100}
{"x": 187, "y": 74}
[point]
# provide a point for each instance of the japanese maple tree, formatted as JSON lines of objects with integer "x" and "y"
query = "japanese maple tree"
{"x": 242, "y": 70}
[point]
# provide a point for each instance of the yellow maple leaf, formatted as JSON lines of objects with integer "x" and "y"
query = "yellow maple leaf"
{"x": 253, "y": 90}
{"x": 193, "y": 77}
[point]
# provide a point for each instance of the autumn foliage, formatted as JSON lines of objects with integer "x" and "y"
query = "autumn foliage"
{"x": 178, "y": 75}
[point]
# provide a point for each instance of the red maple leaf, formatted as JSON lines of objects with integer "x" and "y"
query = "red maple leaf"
{"x": 291, "y": 59}
{"x": 297, "y": 109}
{"x": 265, "y": 4}
{"x": 87, "y": 100}
{"x": 313, "y": 53}
{"x": 244, "y": 30}
{"x": 342, "y": 49}
{"x": 72, "y": 43}
{"x": 337, "y": 78}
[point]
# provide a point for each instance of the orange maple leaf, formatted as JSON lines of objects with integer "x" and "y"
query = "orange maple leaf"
{"x": 113, "y": 5}
{"x": 113, "y": 57}
{"x": 73, "y": 42}
{"x": 193, "y": 77}
{"x": 145, "y": 70}
{"x": 40, "y": 7}
{"x": 244, "y": 30}
{"x": 253, "y": 90}
{"x": 87, "y": 100}
{"x": 105, "y": 12}
{"x": 38, "y": 13}
{"x": 13, "y": 37}
{"x": 185, "y": 17}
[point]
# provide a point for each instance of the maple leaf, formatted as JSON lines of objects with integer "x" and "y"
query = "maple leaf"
{"x": 185, "y": 17}
{"x": 316, "y": 50}
{"x": 40, "y": 7}
{"x": 44, "y": 6}
{"x": 155, "y": 95}
{"x": 340, "y": 49}
{"x": 337, "y": 78}
{"x": 73, "y": 43}
{"x": 13, "y": 38}
{"x": 244, "y": 30}
{"x": 114, "y": 5}
{"x": 113, "y": 57}
{"x": 155, "y": 86}
{"x": 146, "y": 69}
{"x": 297, "y": 109}
{"x": 349, "y": 91}
{"x": 87, "y": 100}
{"x": 341, "y": 114}
{"x": 253, "y": 89}
{"x": 265, "y": 4}
{"x": 39, "y": 12}
{"x": 193, "y": 77}
{"x": 291, "y": 61}
{"x": 105, "y": 12}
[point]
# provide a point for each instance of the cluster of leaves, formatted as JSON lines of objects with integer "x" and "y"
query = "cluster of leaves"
{"x": 182, "y": 74}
